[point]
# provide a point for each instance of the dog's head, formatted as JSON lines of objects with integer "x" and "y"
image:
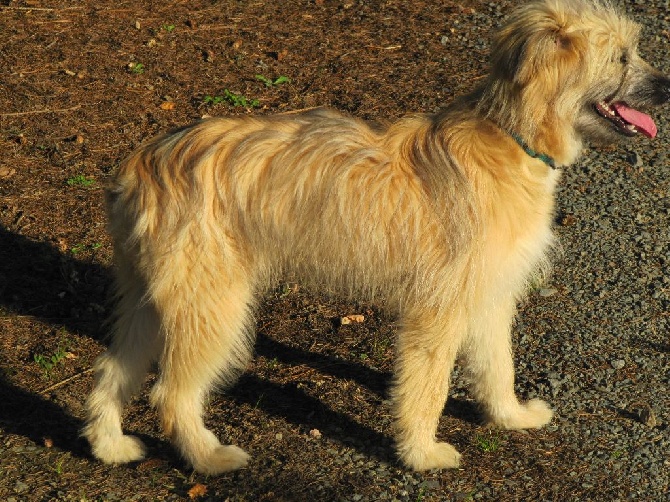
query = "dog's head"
{"x": 573, "y": 66}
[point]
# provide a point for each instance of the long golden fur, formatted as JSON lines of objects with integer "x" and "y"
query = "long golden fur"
{"x": 447, "y": 216}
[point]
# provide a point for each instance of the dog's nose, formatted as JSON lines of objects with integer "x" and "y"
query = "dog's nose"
{"x": 666, "y": 88}
{"x": 662, "y": 89}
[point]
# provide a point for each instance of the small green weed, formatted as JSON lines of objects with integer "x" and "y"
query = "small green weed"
{"x": 288, "y": 288}
{"x": 488, "y": 443}
{"x": 213, "y": 100}
{"x": 168, "y": 27}
{"x": 80, "y": 248}
{"x": 271, "y": 83}
{"x": 58, "y": 467}
{"x": 232, "y": 99}
{"x": 239, "y": 100}
{"x": 380, "y": 346}
{"x": 136, "y": 68}
{"x": 47, "y": 363}
{"x": 80, "y": 181}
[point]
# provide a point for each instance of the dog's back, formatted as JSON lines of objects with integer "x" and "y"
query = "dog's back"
{"x": 316, "y": 195}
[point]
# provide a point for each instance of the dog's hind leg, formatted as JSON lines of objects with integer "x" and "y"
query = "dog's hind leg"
{"x": 205, "y": 313}
{"x": 488, "y": 357}
{"x": 119, "y": 374}
{"x": 426, "y": 351}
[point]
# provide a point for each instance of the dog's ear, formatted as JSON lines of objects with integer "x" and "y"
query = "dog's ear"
{"x": 535, "y": 40}
{"x": 552, "y": 51}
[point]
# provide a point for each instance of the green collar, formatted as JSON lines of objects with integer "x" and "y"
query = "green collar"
{"x": 542, "y": 156}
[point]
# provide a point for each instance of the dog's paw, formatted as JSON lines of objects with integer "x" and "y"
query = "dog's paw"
{"x": 118, "y": 449}
{"x": 531, "y": 415}
{"x": 223, "y": 458}
{"x": 438, "y": 456}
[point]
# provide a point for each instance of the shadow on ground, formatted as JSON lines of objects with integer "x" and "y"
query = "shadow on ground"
{"x": 39, "y": 280}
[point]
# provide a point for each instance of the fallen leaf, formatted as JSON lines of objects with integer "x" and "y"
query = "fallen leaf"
{"x": 62, "y": 244}
{"x": 197, "y": 490}
{"x": 315, "y": 433}
{"x": 152, "y": 463}
{"x": 348, "y": 319}
{"x": 168, "y": 105}
{"x": 6, "y": 171}
{"x": 568, "y": 220}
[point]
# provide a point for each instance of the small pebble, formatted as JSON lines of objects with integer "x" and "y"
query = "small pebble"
{"x": 648, "y": 416}
{"x": 20, "y": 487}
{"x": 618, "y": 364}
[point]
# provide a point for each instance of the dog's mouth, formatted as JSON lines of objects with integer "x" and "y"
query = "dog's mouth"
{"x": 627, "y": 120}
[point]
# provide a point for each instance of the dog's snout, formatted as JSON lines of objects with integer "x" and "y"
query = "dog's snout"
{"x": 660, "y": 86}
{"x": 664, "y": 88}
{"x": 653, "y": 89}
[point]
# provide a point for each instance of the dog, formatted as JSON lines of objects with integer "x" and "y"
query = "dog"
{"x": 447, "y": 216}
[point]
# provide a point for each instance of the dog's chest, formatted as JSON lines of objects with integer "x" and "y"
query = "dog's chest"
{"x": 519, "y": 225}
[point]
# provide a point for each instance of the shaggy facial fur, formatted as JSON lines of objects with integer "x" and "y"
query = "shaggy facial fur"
{"x": 447, "y": 216}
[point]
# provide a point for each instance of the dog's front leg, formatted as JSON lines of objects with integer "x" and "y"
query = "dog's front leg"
{"x": 426, "y": 350}
{"x": 489, "y": 362}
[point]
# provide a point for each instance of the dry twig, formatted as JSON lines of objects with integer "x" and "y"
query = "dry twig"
{"x": 63, "y": 382}
{"x": 34, "y": 112}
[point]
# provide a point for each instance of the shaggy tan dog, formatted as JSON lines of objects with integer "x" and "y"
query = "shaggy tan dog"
{"x": 447, "y": 216}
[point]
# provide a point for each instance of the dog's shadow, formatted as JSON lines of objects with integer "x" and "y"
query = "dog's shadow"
{"x": 58, "y": 288}
{"x": 39, "y": 281}
{"x": 293, "y": 404}
{"x": 35, "y": 417}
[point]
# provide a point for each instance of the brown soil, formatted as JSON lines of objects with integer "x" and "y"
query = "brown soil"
{"x": 82, "y": 84}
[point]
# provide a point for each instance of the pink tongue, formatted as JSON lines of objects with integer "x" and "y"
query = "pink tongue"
{"x": 642, "y": 121}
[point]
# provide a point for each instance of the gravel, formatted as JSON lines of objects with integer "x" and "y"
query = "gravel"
{"x": 604, "y": 333}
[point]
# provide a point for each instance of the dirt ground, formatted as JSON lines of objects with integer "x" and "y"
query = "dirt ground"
{"x": 82, "y": 83}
